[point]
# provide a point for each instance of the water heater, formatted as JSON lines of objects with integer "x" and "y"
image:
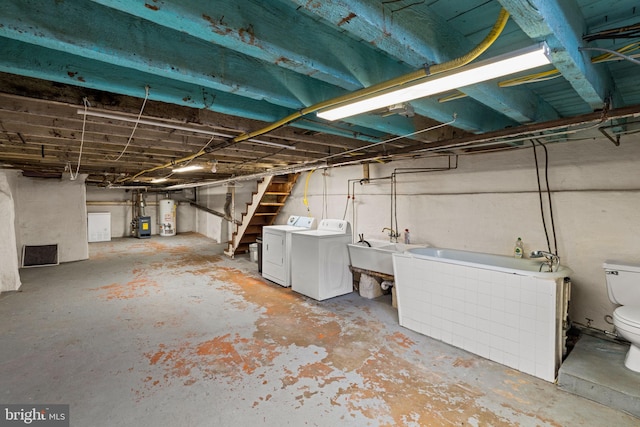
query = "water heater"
{"x": 167, "y": 217}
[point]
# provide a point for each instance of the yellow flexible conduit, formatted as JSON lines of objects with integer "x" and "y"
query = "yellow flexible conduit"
{"x": 499, "y": 25}
{"x": 306, "y": 188}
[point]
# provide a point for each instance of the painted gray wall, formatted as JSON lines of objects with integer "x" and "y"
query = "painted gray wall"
{"x": 52, "y": 211}
{"x": 491, "y": 199}
{"x": 9, "y": 272}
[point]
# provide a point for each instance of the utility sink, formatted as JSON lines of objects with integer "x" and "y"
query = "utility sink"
{"x": 379, "y": 256}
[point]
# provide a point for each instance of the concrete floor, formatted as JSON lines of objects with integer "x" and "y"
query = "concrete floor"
{"x": 168, "y": 332}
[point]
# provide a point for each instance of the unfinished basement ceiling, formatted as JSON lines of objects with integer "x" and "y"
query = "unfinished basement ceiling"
{"x": 162, "y": 81}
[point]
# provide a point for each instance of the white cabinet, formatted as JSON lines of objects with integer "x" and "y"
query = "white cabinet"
{"x": 99, "y": 226}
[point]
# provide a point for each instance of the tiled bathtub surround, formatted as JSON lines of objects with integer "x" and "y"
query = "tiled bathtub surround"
{"x": 508, "y": 317}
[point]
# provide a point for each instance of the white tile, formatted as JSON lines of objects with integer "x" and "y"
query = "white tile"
{"x": 544, "y": 328}
{"x": 457, "y": 340}
{"x": 459, "y": 295}
{"x": 498, "y": 277}
{"x": 436, "y": 311}
{"x": 528, "y": 296}
{"x": 483, "y": 312}
{"x": 511, "y": 360}
{"x": 513, "y": 320}
{"x": 498, "y": 290}
{"x": 497, "y": 303}
{"x": 484, "y": 275}
{"x": 410, "y": 323}
{"x": 471, "y": 345}
{"x": 497, "y": 317}
{"x": 544, "y": 349}
{"x": 471, "y": 309}
{"x": 448, "y": 315}
{"x": 484, "y": 326}
{"x": 484, "y": 300}
{"x": 545, "y": 371}
{"x": 436, "y": 333}
{"x": 512, "y": 293}
{"x": 483, "y": 349}
{"x": 527, "y": 366}
{"x": 496, "y": 355}
{"x": 471, "y": 321}
{"x": 527, "y": 346}
{"x": 483, "y": 288}
{"x": 512, "y": 333}
{"x": 471, "y": 295}
{"x": 512, "y": 307}
{"x": 528, "y": 311}
{"x": 446, "y": 336}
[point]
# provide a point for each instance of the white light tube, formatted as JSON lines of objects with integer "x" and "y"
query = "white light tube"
{"x": 176, "y": 127}
{"x": 499, "y": 66}
{"x": 187, "y": 168}
{"x": 158, "y": 180}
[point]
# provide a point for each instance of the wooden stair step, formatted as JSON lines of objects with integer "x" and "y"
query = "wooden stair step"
{"x": 271, "y": 204}
{"x": 266, "y": 214}
{"x": 276, "y": 193}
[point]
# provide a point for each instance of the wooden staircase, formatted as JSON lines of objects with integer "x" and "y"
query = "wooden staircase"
{"x": 267, "y": 201}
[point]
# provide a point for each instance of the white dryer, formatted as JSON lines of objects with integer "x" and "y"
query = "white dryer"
{"x": 320, "y": 260}
{"x": 276, "y": 248}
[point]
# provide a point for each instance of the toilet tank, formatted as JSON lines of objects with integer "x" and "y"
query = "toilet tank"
{"x": 623, "y": 282}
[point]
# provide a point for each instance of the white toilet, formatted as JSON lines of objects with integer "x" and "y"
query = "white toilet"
{"x": 623, "y": 286}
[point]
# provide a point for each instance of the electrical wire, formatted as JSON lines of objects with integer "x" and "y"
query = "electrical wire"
{"x": 85, "y": 101}
{"x": 544, "y": 222}
{"x": 610, "y": 55}
{"x": 546, "y": 179}
{"x": 135, "y": 126}
{"x": 395, "y": 138}
{"x": 612, "y": 52}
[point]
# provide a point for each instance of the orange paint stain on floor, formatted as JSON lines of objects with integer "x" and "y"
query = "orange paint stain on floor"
{"x": 401, "y": 339}
{"x": 225, "y": 357}
{"x": 136, "y": 288}
{"x": 390, "y": 389}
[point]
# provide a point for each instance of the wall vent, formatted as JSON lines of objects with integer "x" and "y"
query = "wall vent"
{"x": 39, "y": 255}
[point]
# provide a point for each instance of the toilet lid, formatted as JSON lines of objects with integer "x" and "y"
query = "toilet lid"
{"x": 628, "y": 315}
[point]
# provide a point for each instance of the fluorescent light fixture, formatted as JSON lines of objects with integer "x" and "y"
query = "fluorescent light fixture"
{"x": 188, "y": 168}
{"x": 272, "y": 144}
{"x": 158, "y": 180}
{"x": 499, "y": 66}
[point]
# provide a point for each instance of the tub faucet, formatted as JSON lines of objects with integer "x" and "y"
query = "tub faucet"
{"x": 393, "y": 235}
{"x": 551, "y": 259}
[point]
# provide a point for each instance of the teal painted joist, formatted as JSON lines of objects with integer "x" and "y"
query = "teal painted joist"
{"x": 33, "y": 61}
{"x": 562, "y": 26}
{"x": 120, "y": 39}
{"x": 272, "y": 32}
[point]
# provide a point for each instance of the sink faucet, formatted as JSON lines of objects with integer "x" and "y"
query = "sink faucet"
{"x": 393, "y": 235}
{"x": 551, "y": 259}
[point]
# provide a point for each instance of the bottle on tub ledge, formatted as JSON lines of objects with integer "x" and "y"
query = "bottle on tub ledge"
{"x": 407, "y": 236}
{"x": 518, "y": 249}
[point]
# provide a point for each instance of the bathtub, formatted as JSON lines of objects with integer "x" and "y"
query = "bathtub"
{"x": 498, "y": 307}
{"x": 536, "y": 267}
{"x": 378, "y": 257}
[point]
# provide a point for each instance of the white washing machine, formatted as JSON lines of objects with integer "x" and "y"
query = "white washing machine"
{"x": 320, "y": 260}
{"x": 276, "y": 244}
